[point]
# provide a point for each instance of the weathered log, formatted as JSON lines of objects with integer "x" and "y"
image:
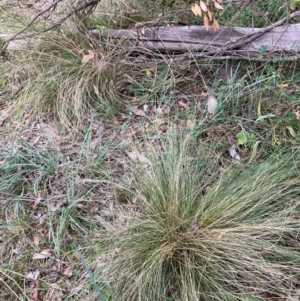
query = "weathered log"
{"x": 278, "y": 43}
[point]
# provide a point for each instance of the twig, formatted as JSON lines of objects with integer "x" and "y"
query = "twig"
{"x": 72, "y": 12}
{"x": 31, "y": 22}
{"x": 250, "y": 37}
{"x": 68, "y": 15}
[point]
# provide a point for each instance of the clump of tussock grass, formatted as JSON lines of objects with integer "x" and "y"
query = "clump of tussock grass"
{"x": 237, "y": 239}
{"x": 54, "y": 77}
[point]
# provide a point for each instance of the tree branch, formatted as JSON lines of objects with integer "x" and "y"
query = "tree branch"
{"x": 31, "y": 22}
{"x": 89, "y": 3}
{"x": 251, "y": 37}
{"x": 83, "y": 6}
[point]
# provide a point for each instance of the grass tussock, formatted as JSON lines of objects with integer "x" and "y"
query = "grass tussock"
{"x": 192, "y": 237}
{"x": 70, "y": 75}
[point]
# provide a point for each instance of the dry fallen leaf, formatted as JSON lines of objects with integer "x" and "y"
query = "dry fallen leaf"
{"x": 106, "y": 212}
{"x": 35, "y": 294}
{"x": 204, "y": 94}
{"x": 43, "y": 254}
{"x": 145, "y": 107}
{"x": 212, "y": 104}
{"x": 36, "y": 241}
{"x": 68, "y": 271}
{"x": 87, "y": 57}
{"x": 5, "y": 115}
{"x": 130, "y": 134}
{"x": 182, "y": 104}
{"x": 296, "y": 112}
{"x": 33, "y": 275}
{"x": 293, "y": 5}
{"x": 235, "y": 156}
{"x": 159, "y": 111}
{"x": 140, "y": 113}
{"x": 284, "y": 85}
{"x": 37, "y": 201}
{"x": 106, "y": 225}
{"x": 153, "y": 110}
{"x": 190, "y": 124}
{"x": 166, "y": 109}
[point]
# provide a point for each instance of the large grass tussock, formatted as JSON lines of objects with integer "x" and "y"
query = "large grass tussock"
{"x": 197, "y": 238}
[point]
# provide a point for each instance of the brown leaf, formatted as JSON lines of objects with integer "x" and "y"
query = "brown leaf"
{"x": 145, "y": 107}
{"x": 196, "y": 10}
{"x": 283, "y": 85}
{"x": 35, "y": 294}
{"x": 296, "y": 112}
{"x": 213, "y": 28}
{"x": 33, "y": 275}
{"x": 106, "y": 225}
{"x": 42, "y": 255}
{"x": 36, "y": 202}
{"x": 293, "y": 6}
{"x": 217, "y": 5}
{"x": 203, "y": 6}
{"x": 166, "y": 109}
{"x": 212, "y": 104}
{"x": 182, "y": 104}
{"x": 163, "y": 128}
{"x": 190, "y": 124}
{"x": 205, "y": 20}
{"x": 153, "y": 110}
{"x": 235, "y": 156}
{"x": 36, "y": 241}
{"x": 159, "y": 121}
{"x": 278, "y": 112}
{"x": 59, "y": 296}
{"x": 68, "y": 272}
{"x": 87, "y": 57}
{"x": 140, "y": 113}
{"x": 216, "y": 24}
{"x": 204, "y": 94}
{"x": 130, "y": 134}
{"x": 159, "y": 111}
{"x": 5, "y": 115}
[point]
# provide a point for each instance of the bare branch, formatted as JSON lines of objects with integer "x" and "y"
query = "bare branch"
{"x": 31, "y": 22}
{"x": 90, "y": 3}
{"x": 83, "y": 6}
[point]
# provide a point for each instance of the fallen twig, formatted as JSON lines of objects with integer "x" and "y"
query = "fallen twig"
{"x": 72, "y": 11}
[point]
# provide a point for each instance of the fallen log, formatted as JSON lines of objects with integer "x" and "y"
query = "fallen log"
{"x": 277, "y": 43}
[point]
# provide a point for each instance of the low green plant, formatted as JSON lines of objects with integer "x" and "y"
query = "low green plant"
{"x": 195, "y": 237}
{"x": 26, "y": 168}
